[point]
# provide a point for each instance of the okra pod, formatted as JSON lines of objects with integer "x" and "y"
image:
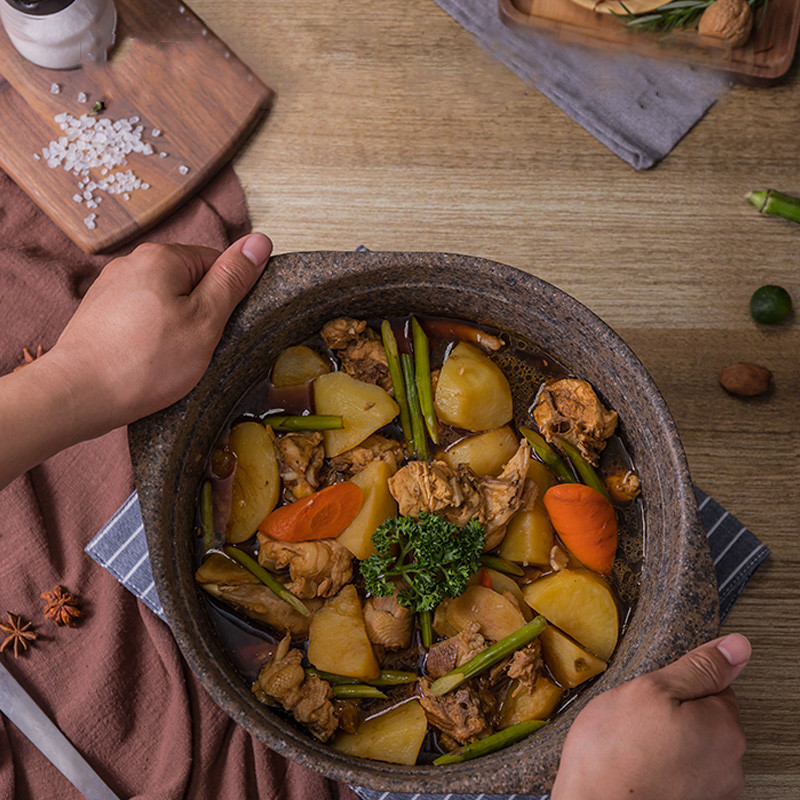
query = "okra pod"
{"x": 768, "y": 201}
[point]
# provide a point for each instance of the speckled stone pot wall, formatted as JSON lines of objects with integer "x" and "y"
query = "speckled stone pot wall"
{"x": 677, "y": 608}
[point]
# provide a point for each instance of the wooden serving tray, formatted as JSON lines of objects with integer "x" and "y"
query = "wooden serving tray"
{"x": 168, "y": 70}
{"x": 763, "y": 60}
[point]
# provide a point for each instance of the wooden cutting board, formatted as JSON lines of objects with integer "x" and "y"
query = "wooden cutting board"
{"x": 763, "y": 60}
{"x": 168, "y": 70}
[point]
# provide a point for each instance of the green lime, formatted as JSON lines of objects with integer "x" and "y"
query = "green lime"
{"x": 770, "y": 304}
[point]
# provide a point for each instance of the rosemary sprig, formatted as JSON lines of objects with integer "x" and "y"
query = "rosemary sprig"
{"x": 676, "y": 15}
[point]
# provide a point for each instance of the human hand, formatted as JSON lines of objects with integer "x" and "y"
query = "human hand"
{"x": 673, "y": 734}
{"x": 146, "y": 329}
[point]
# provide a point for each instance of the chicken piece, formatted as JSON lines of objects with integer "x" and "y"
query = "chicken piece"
{"x": 569, "y": 408}
{"x": 317, "y": 569}
{"x": 238, "y": 587}
{"x": 373, "y": 448}
{"x": 459, "y": 495}
{"x": 283, "y": 682}
{"x": 300, "y": 457}
{"x": 526, "y": 664}
{"x": 359, "y": 349}
{"x": 458, "y": 714}
{"x": 453, "y": 652}
{"x": 387, "y": 622}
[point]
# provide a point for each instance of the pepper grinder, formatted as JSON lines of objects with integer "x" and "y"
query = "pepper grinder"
{"x": 60, "y": 34}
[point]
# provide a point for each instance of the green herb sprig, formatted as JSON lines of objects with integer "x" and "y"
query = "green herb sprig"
{"x": 431, "y": 557}
{"x": 676, "y": 15}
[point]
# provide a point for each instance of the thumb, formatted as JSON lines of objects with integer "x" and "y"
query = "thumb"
{"x": 708, "y": 669}
{"x": 233, "y": 274}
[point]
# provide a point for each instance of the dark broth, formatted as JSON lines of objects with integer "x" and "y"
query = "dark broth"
{"x": 248, "y": 644}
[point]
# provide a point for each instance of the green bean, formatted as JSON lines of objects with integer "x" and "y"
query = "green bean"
{"x": 422, "y": 369}
{"x": 769, "y": 201}
{"x": 330, "y": 677}
{"x": 489, "y": 657}
{"x": 303, "y": 422}
{"x": 396, "y": 374}
{"x": 584, "y": 468}
{"x": 387, "y": 677}
{"x": 426, "y": 628}
{"x": 394, "y": 677}
{"x": 548, "y": 455}
{"x": 358, "y": 691}
{"x": 269, "y": 580}
{"x": 207, "y": 515}
{"x": 417, "y": 422}
{"x": 492, "y": 743}
{"x": 502, "y": 565}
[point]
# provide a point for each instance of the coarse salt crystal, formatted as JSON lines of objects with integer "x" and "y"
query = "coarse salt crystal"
{"x": 55, "y": 88}
{"x": 183, "y": 169}
{"x": 77, "y": 198}
{"x": 82, "y": 97}
{"x": 155, "y": 133}
{"x": 37, "y": 157}
{"x": 162, "y": 154}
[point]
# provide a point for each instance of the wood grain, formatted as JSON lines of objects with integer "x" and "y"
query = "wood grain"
{"x": 763, "y": 59}
{"x": 394, "y": 129}
{"x": 168, "y": 69}
{"x": 397, "y": 131}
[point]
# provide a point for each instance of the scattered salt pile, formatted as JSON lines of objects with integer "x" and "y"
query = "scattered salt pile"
{"x": 98, "y": 143}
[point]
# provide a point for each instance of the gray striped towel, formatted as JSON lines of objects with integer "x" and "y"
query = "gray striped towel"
{"x": 638, "y": 107}
{"x": 121, "y": 547}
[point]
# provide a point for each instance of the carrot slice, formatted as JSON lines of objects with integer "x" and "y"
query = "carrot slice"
{"x": 484, "y": 579}
{"x": 586, "y": 523}
{"x": 321, "y": 515}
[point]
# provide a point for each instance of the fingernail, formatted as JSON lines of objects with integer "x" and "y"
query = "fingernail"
{"x": 735, "y": 648}
{"x": 257, "y": 248}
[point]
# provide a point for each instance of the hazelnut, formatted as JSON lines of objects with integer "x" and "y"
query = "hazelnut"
{"x": 728, "y": 20}
{"x": 747, "y": 380}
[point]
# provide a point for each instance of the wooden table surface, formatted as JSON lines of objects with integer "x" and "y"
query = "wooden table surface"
{"x": 393, "y": 129}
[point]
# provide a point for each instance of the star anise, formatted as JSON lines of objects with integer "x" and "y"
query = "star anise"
{"x": 19, "y": 634}
{"x": 28, "y": 357}
{"x": 62, "y": 607}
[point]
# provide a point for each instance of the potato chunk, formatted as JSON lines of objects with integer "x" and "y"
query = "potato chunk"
{"x": 472, "y": 392}
{"x": 497, "y": 615}
{"x": 529, "y": 537}
{"x": 582, "y": 604}
{"x": 570, "y": 663}
{"x": 337, "y": 638}
{"x": 256, "y": 482}
{"x": 522, "y": 704}
{"x": 363, "y": 407}
{"x": 486, "y": 453}
{"x": 378, "y": 506}
{"x": 298, "y": 364}
{"x": 395, "y": 736}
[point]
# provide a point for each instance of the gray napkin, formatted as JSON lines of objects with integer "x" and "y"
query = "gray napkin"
{"x": 638, "y": 107}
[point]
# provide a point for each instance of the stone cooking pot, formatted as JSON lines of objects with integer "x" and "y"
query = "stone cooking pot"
{"x": 677, "y": 607}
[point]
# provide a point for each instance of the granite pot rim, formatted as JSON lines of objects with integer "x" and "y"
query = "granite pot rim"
{"x": 678, "y": 605}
